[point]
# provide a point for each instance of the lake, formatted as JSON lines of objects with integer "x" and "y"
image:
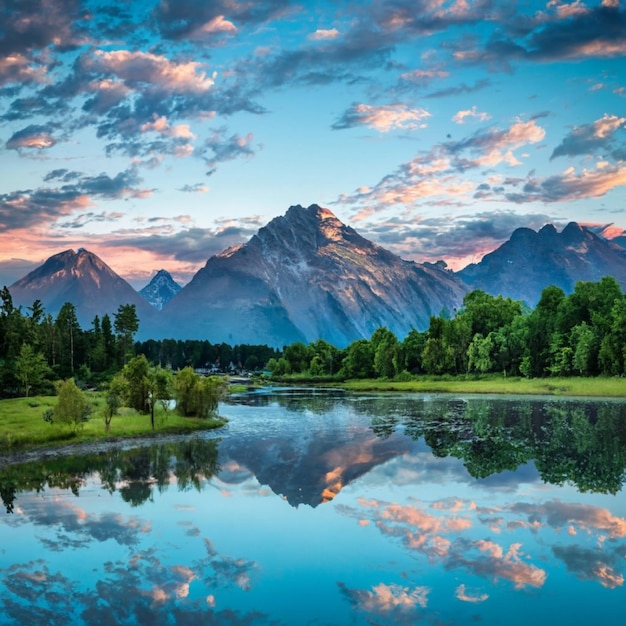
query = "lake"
{"x": 331, "y": 509}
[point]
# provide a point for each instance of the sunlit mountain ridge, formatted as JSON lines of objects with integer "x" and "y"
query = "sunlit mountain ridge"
{"x": 306, "y": 276}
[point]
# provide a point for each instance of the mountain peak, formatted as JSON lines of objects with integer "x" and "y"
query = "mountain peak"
{"x": 547, "y": 231}
{"x": 160, "y": 290}
{"x": 306, "y": 276}
{"x": 573, "y": 233}
{"x": 79, "y": 277}
{"x": 302, "y": 231}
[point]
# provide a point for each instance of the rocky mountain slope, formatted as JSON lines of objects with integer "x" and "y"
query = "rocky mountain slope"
{"x": 160, "y": 290}
{"x": 530, "y": 261}
{"x": 307, "y": 276}
{"x": 81, "y": 278}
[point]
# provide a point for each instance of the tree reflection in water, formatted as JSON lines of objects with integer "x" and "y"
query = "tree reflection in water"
{"x": 134, "y": 473}
{"x": 583, "y": 443}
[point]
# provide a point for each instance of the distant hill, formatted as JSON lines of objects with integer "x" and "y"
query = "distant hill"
{"x": 530, "y": 261}
{"x": 160, "y": 290}
{"x": 81, "y": 278}
{"x": 306, "y": 276}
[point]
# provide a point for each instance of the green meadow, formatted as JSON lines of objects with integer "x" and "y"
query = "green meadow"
{"x": 22, "y": 425}
{"x": 587, "y": 387}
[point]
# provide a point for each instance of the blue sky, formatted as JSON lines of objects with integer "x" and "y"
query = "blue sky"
{"x": 158, "y": 133}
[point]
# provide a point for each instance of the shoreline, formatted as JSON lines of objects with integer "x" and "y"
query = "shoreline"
{"x": 31, "y": 455}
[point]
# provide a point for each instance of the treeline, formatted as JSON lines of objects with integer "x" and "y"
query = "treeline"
{"x": 37, "y": 349}
{"x": 581, "y": 334}
{"x": 200, "y": 354}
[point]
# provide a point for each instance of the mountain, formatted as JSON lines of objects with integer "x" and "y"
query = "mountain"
{"x": 307, "y": 276}
{"x": 81, "y": 278}
{"x": 530, "y": 261}
{"x": 160, "y": 290}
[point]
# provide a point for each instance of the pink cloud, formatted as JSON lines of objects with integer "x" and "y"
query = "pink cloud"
{"x": 384, "y": 118}
{"x": 389, "y": 598}
{"x": 462, "y": 117}
{"x": 218, "y": 24}
{"x": 464, "y": 595}
{"x": 17, "y": 68}
{"x": 138, "y": 69}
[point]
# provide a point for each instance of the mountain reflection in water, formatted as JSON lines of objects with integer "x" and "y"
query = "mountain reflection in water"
{"x": 404, "y": 509}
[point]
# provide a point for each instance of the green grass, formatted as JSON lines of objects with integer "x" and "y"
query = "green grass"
{"x": 599, "y": 387}
{"x": 22, "y": 426}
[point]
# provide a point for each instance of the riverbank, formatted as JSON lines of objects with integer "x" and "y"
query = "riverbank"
{"x": 578, "y": 387}
{"x": 23, "y": 428}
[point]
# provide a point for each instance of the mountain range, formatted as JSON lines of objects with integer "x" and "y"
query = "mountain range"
{"x": 530, "y": 261}
{"x": 306, "y": 275}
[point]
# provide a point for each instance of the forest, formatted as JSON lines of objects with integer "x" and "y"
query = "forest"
{"x": 37, "y": 349}
{"x": 580, "y": 334}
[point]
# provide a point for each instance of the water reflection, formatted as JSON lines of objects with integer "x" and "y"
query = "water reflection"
{"x": 330, "y": 511}
{"x": 134, "y": 473}
{"x": 569, "y": 441}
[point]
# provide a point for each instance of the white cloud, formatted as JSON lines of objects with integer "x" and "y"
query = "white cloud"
{"x": 322, "y": 34}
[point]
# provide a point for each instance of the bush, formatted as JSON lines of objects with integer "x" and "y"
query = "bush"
{"x": 72, "y": 407}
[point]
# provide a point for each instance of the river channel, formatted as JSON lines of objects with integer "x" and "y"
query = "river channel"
{"x": 328, "y": 508}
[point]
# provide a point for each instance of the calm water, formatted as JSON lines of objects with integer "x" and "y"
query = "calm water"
{"x": 332, "y": 510}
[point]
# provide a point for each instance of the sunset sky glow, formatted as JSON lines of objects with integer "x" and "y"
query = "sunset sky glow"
{"x": 158, "y": 133}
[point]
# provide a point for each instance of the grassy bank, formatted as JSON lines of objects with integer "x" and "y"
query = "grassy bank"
{"x": 599, "y": 387}
{"x": 22, "y": 426}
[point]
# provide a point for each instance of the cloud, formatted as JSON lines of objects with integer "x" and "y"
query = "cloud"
{"x": 461, "y": 89}
{"x": 141, "y": 584}
{"x": 591, "y": 564}
{"x": 496, "y": 145}
{"x": 70, "y": 523}
{"x": 80, "y": 221}
{"x": 435, "y": 174}
{"x": 226, "y": 149}
{"x": 459, "y": 239}
{"x": 31, "y": 207}
{"x": 192, "y": 245}
{"x": 216, "y": 25}
{"x": 465, "y": 595}
{"x": 424, "y": 76}
{"x": 590, "y": 138}
{"x": 323, "y": 34}
{"x": 154, "y": 72}
{"x": 190, "y": 18}
{"x": 570, "y": 185}
{"x": 196, "y": 188}
{"x": 382, "y": 118}
{"x": 32, "y": 25}
{"x": 570, "y": 33}
{"x": 586, "y": 516}
{"x": 35, "y": 137}
{"x": 12, "y": 270}
{"x": 18, "y": 68}
{"x": 470, "y": 114}
{"x": 416, "y": 528}
{"x": 492, "y": 562}
{"x": 388, "y": 601}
